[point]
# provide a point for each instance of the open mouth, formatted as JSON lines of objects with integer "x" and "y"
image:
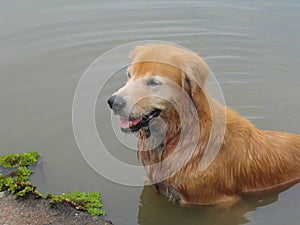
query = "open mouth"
{"x": 133, "y": 125}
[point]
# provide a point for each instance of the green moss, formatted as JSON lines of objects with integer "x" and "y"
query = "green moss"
{"x": 28, "y": 188}
{"x": 17, "y": 182}
{"x": 2, "y": 182}
{"x": 17, "y": 160}
{"x": 89, "y": 202}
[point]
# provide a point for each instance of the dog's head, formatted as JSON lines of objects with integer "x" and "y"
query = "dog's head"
{"x": 156, "y": 76}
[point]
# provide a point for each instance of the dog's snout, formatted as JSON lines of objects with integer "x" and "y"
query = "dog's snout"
{"x": 116, "y": 103}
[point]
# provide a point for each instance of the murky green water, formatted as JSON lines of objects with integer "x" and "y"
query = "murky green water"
{"x": 45, "y": 46}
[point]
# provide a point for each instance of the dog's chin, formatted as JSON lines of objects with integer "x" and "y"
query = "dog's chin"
{"x": 130, "y": 125}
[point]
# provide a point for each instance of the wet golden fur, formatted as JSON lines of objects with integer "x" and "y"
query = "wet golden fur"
{"x": 250, "y": 160}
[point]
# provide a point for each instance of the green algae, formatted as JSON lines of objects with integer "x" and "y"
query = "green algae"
{"x": 18, "y": 160}
{"x": 17, "y": 182}
{"x": 83, "y": 201}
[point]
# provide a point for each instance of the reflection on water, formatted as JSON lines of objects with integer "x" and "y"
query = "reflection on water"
{"x": 252, "y": 210}
{"x": 155, "y": 209}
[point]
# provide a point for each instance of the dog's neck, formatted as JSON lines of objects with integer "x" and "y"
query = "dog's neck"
{"x": 173, "y": 136}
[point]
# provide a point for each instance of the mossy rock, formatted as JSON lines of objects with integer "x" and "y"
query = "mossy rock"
{"x": 89, "y": 202}
{"x": 17, "y": 182}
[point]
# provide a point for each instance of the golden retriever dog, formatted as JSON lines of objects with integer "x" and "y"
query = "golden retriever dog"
{"x": 194, "y": 149}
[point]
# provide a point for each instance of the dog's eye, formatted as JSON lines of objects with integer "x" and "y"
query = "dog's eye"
{"x": 153, "y": 82}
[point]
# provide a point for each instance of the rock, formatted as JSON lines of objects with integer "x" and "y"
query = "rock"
{"x": 24, "y": 210}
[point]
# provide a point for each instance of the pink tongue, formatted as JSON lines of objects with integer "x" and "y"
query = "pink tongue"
{"x": 124, "y": 123}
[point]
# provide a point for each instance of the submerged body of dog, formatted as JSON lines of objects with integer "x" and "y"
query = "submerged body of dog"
{"x": 248, "y": 160}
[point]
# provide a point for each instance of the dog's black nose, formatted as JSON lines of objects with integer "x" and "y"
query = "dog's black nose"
{"x": 116, "y": 103}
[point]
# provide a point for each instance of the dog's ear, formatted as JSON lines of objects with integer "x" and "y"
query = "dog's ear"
{"x": 195, "y": 69}
{"x": 186, "y": 84}
{"x": 195, "y": 73}
{"x": 195, "y": 88}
